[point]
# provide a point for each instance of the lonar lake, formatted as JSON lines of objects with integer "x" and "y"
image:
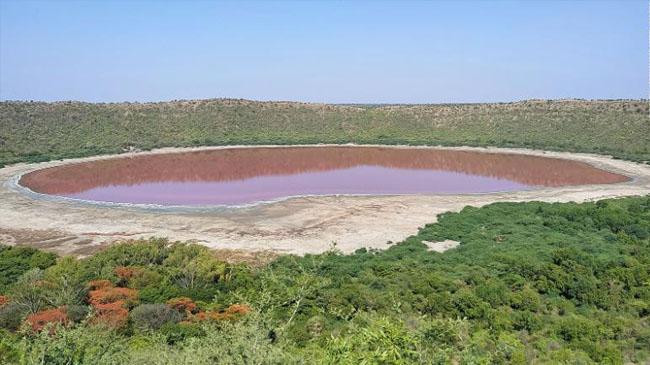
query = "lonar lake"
{"x": 239, "y": 176}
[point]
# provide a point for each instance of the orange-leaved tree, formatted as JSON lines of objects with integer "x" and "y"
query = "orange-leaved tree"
{"x": 126, "y": 273}
{"x": 183, "y": 305}
{"x": 111, "y": 295}
{"x": 40, "y": 319}
{"x": 111, "y": 314}
{"x": 110, "y": 303}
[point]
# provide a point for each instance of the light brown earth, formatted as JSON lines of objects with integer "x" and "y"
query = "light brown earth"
{"x": 441, "y": 246}
{"x": 297, "y": 225}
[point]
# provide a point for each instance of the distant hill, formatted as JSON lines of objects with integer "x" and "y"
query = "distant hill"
{"x": 37, "y": 131}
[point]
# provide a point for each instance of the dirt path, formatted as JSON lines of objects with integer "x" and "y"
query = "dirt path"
{"x": 297, "y": 225}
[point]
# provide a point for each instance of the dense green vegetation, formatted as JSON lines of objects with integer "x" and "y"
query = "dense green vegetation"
{"x": 35, "y": 131}
{"x": 530, "y": 283}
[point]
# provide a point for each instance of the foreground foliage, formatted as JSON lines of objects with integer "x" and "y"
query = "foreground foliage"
{"x": 530, "y": 283}
{"x": 35, "y": 131}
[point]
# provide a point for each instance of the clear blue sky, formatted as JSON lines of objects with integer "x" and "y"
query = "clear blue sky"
{"x": 352, "y": 52}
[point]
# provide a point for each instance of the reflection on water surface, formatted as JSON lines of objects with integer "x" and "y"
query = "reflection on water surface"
{"x": 246, "y": 175}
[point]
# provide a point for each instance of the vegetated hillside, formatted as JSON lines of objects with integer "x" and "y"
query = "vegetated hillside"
{"x": 530, "y": 283}
{"x": 35, "y": 131}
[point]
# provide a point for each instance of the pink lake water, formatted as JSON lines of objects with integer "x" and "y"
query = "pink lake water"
{"x": 244, "y": 176}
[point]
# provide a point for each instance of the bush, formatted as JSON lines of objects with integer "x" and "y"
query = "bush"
{"x": 528, "y": 321}
{"x": 381, "y": 342}
{"x": 112, "y": 315}
{"x": 178, "y": 332}
{"x": 153, "y": 316}
{"x": 11, "y": 316}
{"x": 144, "y": 278}
{"x": 183, "y": 305}
{"x": 77, "y": 313}
{"x": 82, "y": 345}
{"x": 577, "y": 328}
{"x": 16, "y": 260}
{"x": 39, "y": 320}
{"x": 112, "y": 295}
{"x": 526, "y": 299}
{"x": 446, "y": 332}
{"x": 28, "y": 291}
{"x": 469, "y": 305}
{"x": 64, "y": 283}
{"x": 9, "y": 353}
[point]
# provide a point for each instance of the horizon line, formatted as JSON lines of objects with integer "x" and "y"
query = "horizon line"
{"x": 279, "y": 101}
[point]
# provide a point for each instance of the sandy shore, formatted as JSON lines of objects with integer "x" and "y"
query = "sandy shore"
{"x": 297, "y": 225}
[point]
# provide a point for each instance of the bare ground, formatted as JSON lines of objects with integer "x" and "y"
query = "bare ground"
{"x": 297, "y": 225}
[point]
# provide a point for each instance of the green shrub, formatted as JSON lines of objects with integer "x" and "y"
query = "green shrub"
{"x": 77, "y": 313}
{"x": 153, "y": 316}
{"x": 469, "y": 305}
{"x": 179, "y": 332}
{"x": 16, "y": 260}
{"x": 9, "y": 353}
{"x": 382, "y": 341}
{"x": 526, "y": 299}
{"x": 11, "y": 316}
{"x": 446, "y": 332}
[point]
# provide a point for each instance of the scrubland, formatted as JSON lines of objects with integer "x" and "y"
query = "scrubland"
{"x": 35, "y": 131}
